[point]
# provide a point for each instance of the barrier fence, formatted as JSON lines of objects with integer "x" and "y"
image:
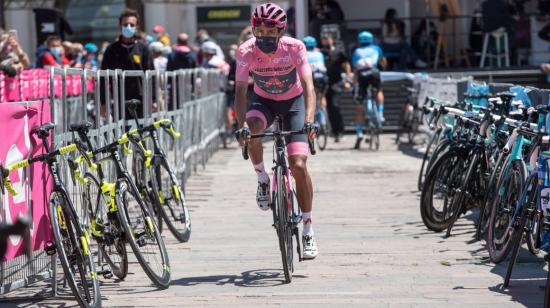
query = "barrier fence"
{"x": 192, "y": 99}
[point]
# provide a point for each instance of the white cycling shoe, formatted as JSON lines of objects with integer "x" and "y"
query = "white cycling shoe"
{"x": 310, "y": 247}
{"x": 263, "y": 196}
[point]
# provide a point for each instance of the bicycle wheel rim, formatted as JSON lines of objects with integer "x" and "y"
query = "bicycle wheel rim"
{"x": 142, "y": 178}
{"x": 509, "y": 190}
{"x": 170, "y": 201}
{"x": 78, "y": 266}
{"x": 282, "y": 224}
{"x": 110, "y": 239}
{"x": 142, "y": 234}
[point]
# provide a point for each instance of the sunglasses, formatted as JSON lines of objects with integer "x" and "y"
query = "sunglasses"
{"x": 129, "y": 25}
{"x": 256, "y": 22}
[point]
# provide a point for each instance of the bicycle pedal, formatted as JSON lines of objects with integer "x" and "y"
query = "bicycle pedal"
{"x": 49, "y": 248}
{"x": 181, "y": 218}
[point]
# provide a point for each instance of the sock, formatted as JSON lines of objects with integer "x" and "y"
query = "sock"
{"x": 308, "y": 224}
{"x": 381, "y": 110}
{"x": 359, "y": 130}
{"x": 260, "y": 172}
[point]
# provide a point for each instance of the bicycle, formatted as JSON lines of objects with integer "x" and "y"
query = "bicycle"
{"x": 157, "y": 180}
{"x": 410, "y": 119}
{"x": 72, "y": 241}
{"x": 285, "y": 209}
{"x": 373, "y": 119}
{"x": 120, "y": 209}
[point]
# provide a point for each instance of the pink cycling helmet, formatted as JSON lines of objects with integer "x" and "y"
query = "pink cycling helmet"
{"x": 269, "y": 15}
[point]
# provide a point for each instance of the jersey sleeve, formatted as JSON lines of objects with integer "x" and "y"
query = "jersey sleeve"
{"x": 243, "y": 68}
{"x": 302, "y": 65}
{"x": 354, "y": 58}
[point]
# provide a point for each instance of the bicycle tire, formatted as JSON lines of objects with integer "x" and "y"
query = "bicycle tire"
{"x": 375, "y": 130}
{"x": 73, "y": 235}
{"x": 498, "y": 239}
{"x": 283, "y": 227}
{"x": 484, "y": 213}
{"x": 170, "y": 200}
{"x": 136, "y": 220}
{"x": 533, "y": 236}
{"x": 142, "y": 178}
{"x": 518, "y": 233}
{"x": 113, "y": 248}
{"x": 322, "y": 137}
{"x": 425, "y": 158}
{"x": 445, "y": 174}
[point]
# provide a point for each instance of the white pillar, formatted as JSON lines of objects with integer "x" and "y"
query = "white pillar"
{"x": 301, "y": 18}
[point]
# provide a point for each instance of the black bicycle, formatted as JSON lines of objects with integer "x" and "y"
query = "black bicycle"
{"x": 286, "y": 212}
{"x": 120, "y": 215}
{"x": 156, "y": 179}
{"x": 72, "y": 241}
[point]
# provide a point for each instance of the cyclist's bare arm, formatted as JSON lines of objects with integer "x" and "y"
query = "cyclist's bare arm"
{"x": 382, "y": 62}
{"x": 347, "y": 70}
{"x": 310, "y": 99}
{"x": 241, "y": 89}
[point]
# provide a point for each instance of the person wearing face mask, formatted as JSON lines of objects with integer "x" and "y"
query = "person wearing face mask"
{"x": 336, "y": 61}
{"x": 128, "y": 53}
{"x": 54, "y": 55}
{"x": 283, "y": 86}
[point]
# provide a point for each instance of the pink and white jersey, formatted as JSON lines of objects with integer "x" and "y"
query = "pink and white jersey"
{"x": 276, "y": 77}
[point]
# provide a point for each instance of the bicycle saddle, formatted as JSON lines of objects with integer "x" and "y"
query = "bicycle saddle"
{"x": 506, "y": 95}
{"x": 83, "y": 126}
{"x": 42, "y": 131}
{"x": 133, "y": 103}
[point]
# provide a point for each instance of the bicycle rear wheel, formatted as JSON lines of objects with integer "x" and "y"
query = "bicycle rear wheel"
{"x": 427, "y": 156}
{"x": 170, "y": 200}
{"x": 509, "y": 190}
{"x": 142, "y": 233}
{"x": 105, "y": 228}
{"x": 518, "y": 231}
{"x": 322, "y": 136}
{"x": 284, "y": 230}
{"x": 485, "y": 210}
{"x": 72, "y": 246}
{"x": 142, "y": 178}
{"x": 374, "y": 129}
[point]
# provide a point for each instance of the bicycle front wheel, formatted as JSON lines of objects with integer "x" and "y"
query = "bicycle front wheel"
{"x": 284, "y": 229}
{"x": 72, "y": 246}
{"x": 170, "y": 200}
{"x": 142, "y": 233}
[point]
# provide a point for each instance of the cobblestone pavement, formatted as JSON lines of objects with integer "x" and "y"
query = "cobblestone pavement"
{"x": 374, "y": 249}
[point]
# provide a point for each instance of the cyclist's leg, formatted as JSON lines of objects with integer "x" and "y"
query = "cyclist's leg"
{"x": 258, "y": 118}
{"x": 377, "y": 88}
{"x": 360, "y": 92}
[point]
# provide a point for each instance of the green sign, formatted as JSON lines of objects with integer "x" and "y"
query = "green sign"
{"x": 223, "y": 13}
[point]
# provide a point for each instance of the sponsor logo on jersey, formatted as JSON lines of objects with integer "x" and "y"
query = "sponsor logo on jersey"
{"x": 275, "y": 84}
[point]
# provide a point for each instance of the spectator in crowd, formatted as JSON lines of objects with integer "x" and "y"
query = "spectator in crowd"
{"x": 128, "y": 53}
{"x": 90, "y": 61}
{"x": 53, "y": 55}
{"x": 423, "y": 42}
{"x": 78, "y": 55}
{"x": 336, "y": 61}
{"x": 157, "y": 52}
{"x": 496, "y": 15}
{"x": 202, "y": 37}
{"x": 245, "y": 35}
{"x": 393, "y": 40}
{"x": 104, "y": 46}
{"x": 12, "y": 57}
{"x": 161, "y": 36}
{"x": 182, "y": 56}
{"x": 211, "y": 58}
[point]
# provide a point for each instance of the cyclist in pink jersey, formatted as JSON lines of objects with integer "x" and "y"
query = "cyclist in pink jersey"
{"x": 283, "y": 86}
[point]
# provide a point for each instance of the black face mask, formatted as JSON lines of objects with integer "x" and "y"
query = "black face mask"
{"x": 267, "y": 44}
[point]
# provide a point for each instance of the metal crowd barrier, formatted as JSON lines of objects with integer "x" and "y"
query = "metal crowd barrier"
{"x": 193, "y": 99}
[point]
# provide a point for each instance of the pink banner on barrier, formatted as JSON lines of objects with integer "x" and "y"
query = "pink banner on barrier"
{"x": 16, "y": 122}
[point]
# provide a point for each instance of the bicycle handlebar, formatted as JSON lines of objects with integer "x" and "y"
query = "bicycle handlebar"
{"x": 311, "y": 142}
